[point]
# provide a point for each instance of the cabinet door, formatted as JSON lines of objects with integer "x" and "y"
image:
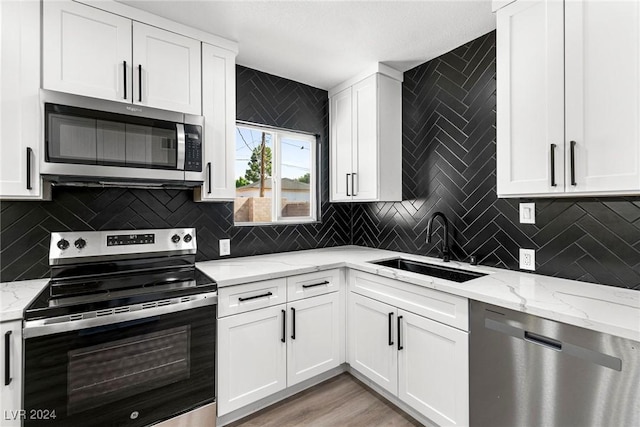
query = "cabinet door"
{"x": 433, "y": 369}
{"x": 11, "y": 335}
{"x": 602, "y": 93}
{"x": 365, "y": 139}
{"x": 166, "y": 71}
{"x": 372, "y": 341}
{"x": 86, "y": 51}
{"x": 252, "y": 357}
{"x": 341, "y": 145}
{"x": 219, "y": 111}
{"x": 530, "y": 98}
{"x": 315, "y": 333}
{"x": 20, "y": 146}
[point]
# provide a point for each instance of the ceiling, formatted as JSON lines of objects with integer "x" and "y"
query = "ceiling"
{"x": 323, "y": 43}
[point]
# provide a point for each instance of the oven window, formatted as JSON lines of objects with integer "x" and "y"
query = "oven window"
{"x": 103, "y": 373}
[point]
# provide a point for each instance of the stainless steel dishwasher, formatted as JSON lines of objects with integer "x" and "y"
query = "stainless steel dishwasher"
{"x": 527, "y": 371}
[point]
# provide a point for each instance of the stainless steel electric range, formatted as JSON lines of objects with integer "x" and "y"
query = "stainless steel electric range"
{"x": 124, "y": 334}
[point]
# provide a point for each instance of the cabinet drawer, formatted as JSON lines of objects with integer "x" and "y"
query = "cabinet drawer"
{"x": 312, "y": 284}
{"x": 439, "y": 306}
{"x": 251, "y": 296}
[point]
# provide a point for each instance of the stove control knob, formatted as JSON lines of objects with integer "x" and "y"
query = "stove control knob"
{"x": 187, "y": 238}
{"x": 80, "y": 243}
{"x": 175, "y": 238}
{"x": 63, "y": 244}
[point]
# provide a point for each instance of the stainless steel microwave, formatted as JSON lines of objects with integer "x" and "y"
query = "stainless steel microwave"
{"x": 90, "y": 141}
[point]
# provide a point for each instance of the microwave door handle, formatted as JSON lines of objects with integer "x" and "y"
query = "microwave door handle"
{"x": 181, "y": 146}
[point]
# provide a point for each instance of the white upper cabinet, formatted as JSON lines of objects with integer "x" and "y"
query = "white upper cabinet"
{"x": 602, "y": 62}
{"x": 166, "y": 70}
{"x": 365, "y": 116}
{"x": 219, "y": 111}
{"x": 20, "y": 146}
{"x": 530, "y": 89}
{"x": 87, "y": 51}
{"x": 568, "y": 84}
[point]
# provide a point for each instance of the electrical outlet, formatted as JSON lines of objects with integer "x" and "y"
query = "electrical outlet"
{"x": 527, "y": 259}
{"x": 527, "y": 213}
{"x": 225, "y": 247}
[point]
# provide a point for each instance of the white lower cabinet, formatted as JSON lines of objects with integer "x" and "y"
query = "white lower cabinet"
{"x": 314, "y": 337}
{"x": 11, "y": 363}
{"x": 252, "y": 357}
{"x": 371, "y": 337}
{"x": 423, "y": 362}
{"x": 433, "y": 369}
{"x": 264, "y": 350}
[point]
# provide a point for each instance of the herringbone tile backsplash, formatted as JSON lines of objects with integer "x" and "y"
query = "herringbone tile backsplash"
{"x": 448, "y": 165}
{"x": 261, "y": 98}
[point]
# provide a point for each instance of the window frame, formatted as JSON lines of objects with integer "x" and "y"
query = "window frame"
{"x": 277, "y": 134}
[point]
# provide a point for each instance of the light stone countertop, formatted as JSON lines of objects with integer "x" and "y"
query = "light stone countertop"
{"x": 15, "y": 296}
{"x": 601, "y": 308}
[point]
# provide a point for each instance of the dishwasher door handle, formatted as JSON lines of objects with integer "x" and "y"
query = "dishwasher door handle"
{"x": 569, "y": 349}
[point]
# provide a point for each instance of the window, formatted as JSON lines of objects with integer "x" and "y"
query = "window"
{"x": 276, "y": 178}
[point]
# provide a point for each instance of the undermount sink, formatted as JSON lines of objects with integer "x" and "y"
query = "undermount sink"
{"x": 448, "y": 273}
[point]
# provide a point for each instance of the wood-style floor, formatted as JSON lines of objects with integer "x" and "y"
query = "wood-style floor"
{"x": 341, "y": 401}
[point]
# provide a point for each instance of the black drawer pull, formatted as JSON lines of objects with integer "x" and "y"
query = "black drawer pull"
{"x": 348, "y": 184}
{"x": 293, "y": 323}
{"x": 316, "y": 284}
{"x": 284, "y": 326}
{"x": 29, "y": 155}
{"x": 140, "y": 83}
{"x": 573, "y": 163}
{"x": 553, "y": 165}
{"x": 124, "y": 66}
{"x": 353, "y": 185}
{"x": 400, "y": 347}
{"x": 268, "y": 294}
{"x": 391, "y": 328}
{"x": 7, "y": 358}
{"x": 209, "y": 178}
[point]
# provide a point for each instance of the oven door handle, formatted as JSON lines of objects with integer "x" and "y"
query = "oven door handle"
{"x": 42, "y": 327}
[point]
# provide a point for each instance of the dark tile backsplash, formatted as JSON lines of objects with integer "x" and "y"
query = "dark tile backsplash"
{"x": 261, "y": 98}
{"x": 448, "y": 165}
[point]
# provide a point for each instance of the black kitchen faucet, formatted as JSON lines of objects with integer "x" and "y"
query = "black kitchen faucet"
{"x": 446, "y": 257}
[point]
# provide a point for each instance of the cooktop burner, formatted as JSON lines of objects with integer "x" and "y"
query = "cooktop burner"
{"x": 108, "y": 269}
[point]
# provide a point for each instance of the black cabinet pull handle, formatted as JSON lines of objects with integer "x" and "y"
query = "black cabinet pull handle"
{"x": 353, "y": 186}
{"x": 573, "y": 163}
{"x": 400, "y": 347}
{"x": 391, "y": 328}
{"x": 124, "y": 74}
{"x": 268, "y": 294}
{"x": 29, "y": 155}
{"x": 348, "y": 184}
{"x": 293, "y": 323}
{"x": 553, "y": 165}
{"x": 7, "y": 358}
{"x": 209, "y": 178}
{"x": 316, "y": 284}
{"x": 140, "y": 82}
{"x": 284, "y": 326}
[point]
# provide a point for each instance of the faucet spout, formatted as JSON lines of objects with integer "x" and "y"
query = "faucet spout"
{"x": 446, "y": 257}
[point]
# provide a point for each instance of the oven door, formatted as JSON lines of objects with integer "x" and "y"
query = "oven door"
{"x": 152, "y": 366}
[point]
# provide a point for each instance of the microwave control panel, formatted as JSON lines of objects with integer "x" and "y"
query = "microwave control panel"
{"x": 193, "y": 148}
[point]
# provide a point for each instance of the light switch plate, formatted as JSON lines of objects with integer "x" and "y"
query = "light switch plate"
{"x": 528, "y": 259}
{"x": 527, "y": 213}
{"x": 225, "y": 247}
